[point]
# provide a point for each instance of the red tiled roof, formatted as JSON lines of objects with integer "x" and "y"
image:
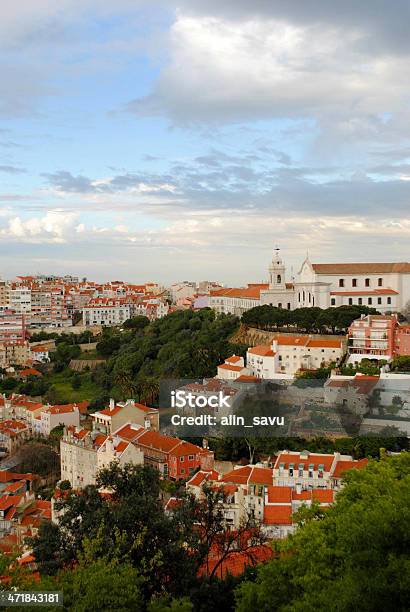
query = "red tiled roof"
{"x": 264, "y": 350}
{"x": 361, "y": 268}
{"x": 312, "y": 459}
{"x": 279, "y": 495}
{"x": 366, "y": 292}
{"x": 232, "y": 368}
{"x": 277, "y": 515}
{"x": 343, "y": 466}
{"x": 236, "y": 562}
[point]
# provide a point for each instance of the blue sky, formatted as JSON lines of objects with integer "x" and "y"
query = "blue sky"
{"x": 171, "y": 141}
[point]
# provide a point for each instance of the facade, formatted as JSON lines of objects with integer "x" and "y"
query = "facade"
{"x": 378, "y": 337}
{"x": 83, "y": 453}
{"x": 118, "y": 414}
{"x": 384, "y": 286}
{"x": 14, "y": 353}
{"x": 52, "y": 416}
{"x": 272, "y": 495}
{"x": 111, "y": 312}
{"x": 286, "y": 356}
{"x": 175, "y": 459}
{"x": 12, "y": 327}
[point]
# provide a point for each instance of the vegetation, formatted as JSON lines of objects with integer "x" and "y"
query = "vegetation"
{"x": 305, "y": 320}
{"x": 128, "y": 531}
{"x": 39, "y": 458}
{"x": 354, "y": 556}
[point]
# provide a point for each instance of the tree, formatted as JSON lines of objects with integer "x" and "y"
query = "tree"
{"x": 136, "y": 323}
{"x": 39, "y": 459}
{"x": 354, "y": 557}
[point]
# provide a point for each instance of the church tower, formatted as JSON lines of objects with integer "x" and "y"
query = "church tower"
{"x": 277, "y": 273}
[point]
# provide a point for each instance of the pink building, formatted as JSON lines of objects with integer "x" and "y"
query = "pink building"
{"x": 378, "y": 337}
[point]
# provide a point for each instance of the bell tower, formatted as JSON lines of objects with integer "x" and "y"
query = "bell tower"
{"x": 277, "y": 271}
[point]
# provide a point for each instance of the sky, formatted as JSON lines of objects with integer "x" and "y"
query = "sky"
{"x": 185, "y": 140}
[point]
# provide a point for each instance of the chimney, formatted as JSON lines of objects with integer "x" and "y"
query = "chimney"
{"x": 205, "y": 443}
{"x": 112, "y": 404}
{"x": 147, "y": 424}
{"x": 298, "y": 488}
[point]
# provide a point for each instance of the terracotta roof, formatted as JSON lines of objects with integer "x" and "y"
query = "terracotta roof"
{"x": 232, "y": 368}
{"x": 361, "y": 268}
{"x": 312, "y": 459}
{"x": 236, "y": 562}
{"x": 264, "y": 350}
{"x": 201, "y": 476}
{"x": 367, "y": 292}
{"x": 343, "y": 466}
{"x": 279, "y": 495}
{"x": 233, "y": 359}
{"x": 250, "y": 292}
{"x": 185, "y": 448}
{"x": 277, "y": 515}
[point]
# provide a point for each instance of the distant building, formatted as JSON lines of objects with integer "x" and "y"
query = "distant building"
{"x": 118, "y": 414}
{"x": 384, "y": 286}
{"x": 378, "y": 337}
{"x": 84, "y": 453}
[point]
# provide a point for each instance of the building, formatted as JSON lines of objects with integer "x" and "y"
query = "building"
{"x": 273, "y": 495}
{"x": 173, "y": 458}
{"x": 53, "y": 416}
{"x": 83, "y": 453}
{"x": 384, "y": 286}
{"x": 12, "y": 327}
{"x": 286, "y": 356}
{"x": 14, "y": 353}
{"x": 13, "y": 433}
{"x": 378, "y": 337}
{"x": 118, "y": 414}
{"x": 106, "y": 311}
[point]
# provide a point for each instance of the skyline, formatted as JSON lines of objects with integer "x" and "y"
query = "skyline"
{"x": 186, "y": 140}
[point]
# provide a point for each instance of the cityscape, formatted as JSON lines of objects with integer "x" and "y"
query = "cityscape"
{"x": 205, "y": 306}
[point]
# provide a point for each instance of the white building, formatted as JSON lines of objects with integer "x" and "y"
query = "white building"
{"x": 52, "y": 416}
{"x": 384, "y": 286}
{"x": 283, "y": 358}
{"x": 83, "y": 453}
{"x": 106, "y": 314}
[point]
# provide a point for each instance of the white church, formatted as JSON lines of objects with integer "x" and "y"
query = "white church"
{"x": 384, "y": 286}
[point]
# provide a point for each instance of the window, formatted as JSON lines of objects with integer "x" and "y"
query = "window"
{"x": 341, "y": 282}
{"x": 367, "y": 282}
{"x": 280, "y": 305}
{"x": 369, "y": 300}
{"x": 354, "y": 282}
{"x": 291, "y": 468}
{"x": 182, "y": 471}
{"x": 350, "y": 301}
{"x": 300, "y": 470}
{"x": 181, "y": 459}
{"x": 379, "y": 300}
{"x": 190, "y": 457}
{"x": 333, "y": 301}
{"x": 288, "y": 305}
{"x": 321, "y": 469}
{"x": 279, "y": 279}
{"x": 389, "y": 300}
{"x": 380, "y": 282}
{"x": 360, "y": 301}
{"x": 310, "y": 470}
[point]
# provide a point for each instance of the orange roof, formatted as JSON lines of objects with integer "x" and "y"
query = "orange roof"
{"x": 324, "y": 496}
{"x": 261, "y": 476}
{"x": 153, "y": 439}
{"x": 233, "y": 368}
{"x": 238, "y": 476}
{"x": 279, "y": 495}
{"x": 264, "y": 350}
{"x": 121, "y": 446}
{"x": 130, "y": 432}
{"x": 61, "y": 409}
{"x": 325, "y": 343}
{"x": 198, "y": 478}
{"x": 30, "y": 372}
{"x": 367, "y": 292}
{"x": 312, "y": 459}
{"x": 343, "y": 466}
{"x": 361, "y": 268}
{"x": 247, "y": 378}
{"x": 277, "y": 515}
{"x": 185, "y": 448}
{"x": 233, "y": 359}
{"x": 249, "y": 473}
{"x": 250, "y": 292}
{"x": 236, "y": 562}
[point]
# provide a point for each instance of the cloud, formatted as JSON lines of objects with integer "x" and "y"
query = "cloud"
{"x": 54, "y": 226}
{"x": 12, "y": 170}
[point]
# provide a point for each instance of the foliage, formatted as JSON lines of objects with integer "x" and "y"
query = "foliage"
{"x": 307, "y": 320}
{"x": 39, "y": 458}
{"x": 401, "y": 363}
{"x": 136, "y": 323}
{"x": 354, "y": 557}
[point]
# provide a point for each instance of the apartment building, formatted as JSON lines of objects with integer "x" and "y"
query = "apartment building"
{"x": 118, "y": 414}
{"x": 83, "y": 453}
{"x": 106, "y": 311}
{"x": 286, "y": 356}
{"x": 173, "y": 458}
{"x": 52, "y": 416}
{"x": 379, "y": 337}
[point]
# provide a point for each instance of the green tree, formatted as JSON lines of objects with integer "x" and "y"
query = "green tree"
{"x": 354, "y": 557}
